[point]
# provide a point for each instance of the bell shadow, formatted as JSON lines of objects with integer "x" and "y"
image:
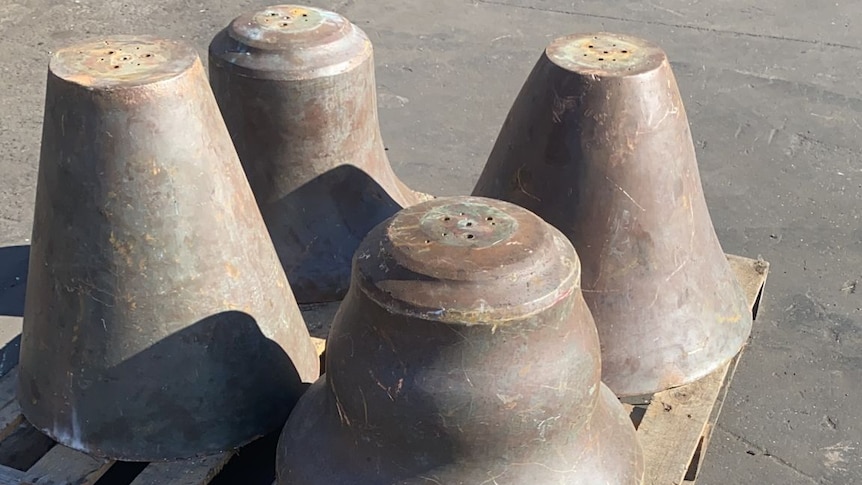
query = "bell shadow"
{"x": 318, "y": 227}
{"x": 13, "y": 279}
{"x": 217, "y": 381}
{"x": 13, "y": 285}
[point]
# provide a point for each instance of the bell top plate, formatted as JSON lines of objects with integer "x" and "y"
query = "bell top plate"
{"x": 466, "y": 259}
{"x": 122, "y": 62}
{"x": 605, "y": 54}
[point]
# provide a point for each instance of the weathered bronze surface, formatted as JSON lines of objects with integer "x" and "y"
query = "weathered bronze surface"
{"x": 464, "y": 353}
{"x": 296, "y": 88}
{"x": 598, "y": 144}
{"x": 158, "y": 323}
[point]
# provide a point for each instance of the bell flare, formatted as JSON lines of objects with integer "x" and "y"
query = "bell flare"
{"x": 319, "y": 449}
{"x": 157, "y": 324}
{"x": 296, "y": 88}
{"x": 597, "y": 143}
{"x": 463, "y": 341}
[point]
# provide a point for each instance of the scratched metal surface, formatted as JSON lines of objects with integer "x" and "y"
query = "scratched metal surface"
{"x": 772, "y": 94}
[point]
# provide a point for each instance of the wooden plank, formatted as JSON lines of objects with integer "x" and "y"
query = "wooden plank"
{"x": 65, "y": 466}
{"x": 680, "y": 419}
{"x": 700, "y": 453}
{"x": 751, "y": 274}
{"x": 24, "y": 447}
{"x": 673, "y": 425}
{"x": 195, "y": 471}
{"x": 10, "y": 412}
{"x": 318, "y": 318}
{"x": 10, "y": 476}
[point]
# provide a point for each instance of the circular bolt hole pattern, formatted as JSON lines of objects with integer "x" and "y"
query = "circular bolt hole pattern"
{"x": 591, "y": 46}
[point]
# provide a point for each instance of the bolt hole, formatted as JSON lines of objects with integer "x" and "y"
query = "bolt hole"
{"x": 101, "y": 59}
{"x": 493, "y": 223}
{"x": 273, "y": 14}
{"x": 305, "y": 15}
{"x": 625, "y": 52}
{"x": 148, "y": 55}
{"x": 489, "y": 218}
{"x": 427, "y": 241}
{"x": 591, "y": 47}
{"x": 460, "y": 213}
{"x": 284, "y": 24}
{"x": 445, "y": 234}
{"x": 601, "y": 58}
{"x": 447, "y": 218}
{"x": 110, "y": 52}
{"x": 470, "y": 236}
{"x": 116, "y": 67}
{"x": 137, "y": 48}
{"x": 614, "y": 60}
{"x": 606, "y": 52}
{"x": 469, "y": 224}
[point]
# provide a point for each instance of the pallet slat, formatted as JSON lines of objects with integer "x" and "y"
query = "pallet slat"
{"x": 65, "y": 466}
{"x": 673, "y": 425}
{"x": 24, "y": 446}
{"x": 10, "y": 476}
{"x": 10, "y": 412}
{"x": 195, "y": 471}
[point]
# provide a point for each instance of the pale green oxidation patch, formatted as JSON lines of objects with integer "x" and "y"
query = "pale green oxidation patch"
{"x": 604, "y": 54}
{"x": 467, "y": 224}
{"x": 122, "y": 61}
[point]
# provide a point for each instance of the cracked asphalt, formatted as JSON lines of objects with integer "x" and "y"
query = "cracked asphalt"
{"x": 772, "y": 92}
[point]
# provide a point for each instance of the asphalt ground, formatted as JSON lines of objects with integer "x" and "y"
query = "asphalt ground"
{"x": 772, "y": 92}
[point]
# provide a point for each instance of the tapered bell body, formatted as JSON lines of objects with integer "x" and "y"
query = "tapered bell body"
{"x": 158, "y": 323}
{"x": 463, "y": 352}
{"x": 597, "y": 143}
{"x": 296, "y": 88}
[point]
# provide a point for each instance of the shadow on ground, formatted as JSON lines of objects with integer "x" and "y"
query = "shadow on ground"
{"x": 13, "y": 284}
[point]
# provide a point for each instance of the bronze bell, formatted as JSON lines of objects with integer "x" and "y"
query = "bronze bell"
{"x": 296, "y": 88}
{"x": 158, "y": 323}
{"x": 463, "y": 353}
{"x": 597, "y": 143}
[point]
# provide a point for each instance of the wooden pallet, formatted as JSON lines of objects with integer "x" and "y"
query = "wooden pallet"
{"x": 674, "y": 428}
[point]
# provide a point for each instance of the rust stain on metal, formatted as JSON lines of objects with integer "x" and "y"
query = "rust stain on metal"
{"x": 158, "y": 324}
{"x": 296, "y": 88}
{"x": 463, "y": 350}
{"x": 597, "y": 143}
